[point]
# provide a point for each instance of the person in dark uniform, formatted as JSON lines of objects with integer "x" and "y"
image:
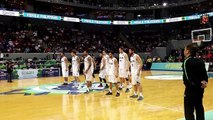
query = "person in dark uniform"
{"x": 9, "y": 71}
{"x": 195, "y": 80}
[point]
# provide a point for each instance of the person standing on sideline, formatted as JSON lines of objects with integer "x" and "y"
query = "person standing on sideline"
{"x": 9, "y": 72}
{"x": 88, "y": 70}
{"x": 136, "y": 68}
{"x": 64, "y": 68}
{"x": 195, "y": 80}
{"x": 75, "y": 67}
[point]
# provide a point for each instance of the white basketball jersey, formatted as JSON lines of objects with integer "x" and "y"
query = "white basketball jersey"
{"x": 86, "y": 63}
{"x": 122, "y": 61}
{"x": 102, "y": 63}
{"x": 111, "y": 66}
{"x": 106, "y": 57}
{"x": 63, "y": 64}
{"x": 75, "y": 63}
{"x": 134, "y": 64}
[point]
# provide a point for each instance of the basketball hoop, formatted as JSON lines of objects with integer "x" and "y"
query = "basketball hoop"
{"x": 203, "y": 35}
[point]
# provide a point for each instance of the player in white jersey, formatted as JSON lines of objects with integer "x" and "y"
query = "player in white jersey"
{"x": 113, "y": 74}
{"x": 64, "y": 68}
{"x": 123, "y": 67}
{"x": 136, "y": 69}
{"x": 75, "y": 67}
{"x": 106, "y": 57}
{"x": 102, "y": 73}
{"x": 88, "y": 70}
{"x": 93, "y": 68}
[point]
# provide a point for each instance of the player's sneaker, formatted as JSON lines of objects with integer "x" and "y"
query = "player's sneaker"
{"x": 118, "y": 94}
{"x": 140, "y": 98}
{"x": 120, "y": 88}
{"x": 100, "y": 85}
{"x": 109, "y": 93}
{"x": 77, "y": 85}
{"x": 65, "y": 84}
{"x": 134, "y": 96}
{"x": 87, "y": 92}
{"x": 106, "y": 86}
{"x": 127, "y": 90}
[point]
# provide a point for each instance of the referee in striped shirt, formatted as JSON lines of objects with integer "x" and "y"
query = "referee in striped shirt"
{"x": 195, "y": 80}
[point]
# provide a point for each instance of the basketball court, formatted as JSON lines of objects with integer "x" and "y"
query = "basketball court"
{"x": 45, "y": 99}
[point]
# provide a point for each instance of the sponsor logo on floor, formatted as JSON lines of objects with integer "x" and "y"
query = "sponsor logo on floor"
{"x": 56, "y": 89}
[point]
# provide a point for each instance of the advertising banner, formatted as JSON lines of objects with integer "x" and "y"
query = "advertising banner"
{"x": 28, "y": 73}
{"x": 41, "y": 16}
{"x": 103, "y": 22}
{"x": 121, "y": 22}
{"x": 50, "y": 72}
{"x": 71, "y": 19}
{"x": 9, "y": 13}
{"x": 138, "y": 22}
{"x": 176, "y": 19}
{"x": 171, "y": 66}
{"x": 3, "y": 75}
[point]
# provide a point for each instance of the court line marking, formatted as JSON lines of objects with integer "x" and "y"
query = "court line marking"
{"x": 157, "y": 106}
{"x": 167, "y": 108}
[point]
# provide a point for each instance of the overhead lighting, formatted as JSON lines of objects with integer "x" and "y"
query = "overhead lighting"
{"x": 165, "y": 4}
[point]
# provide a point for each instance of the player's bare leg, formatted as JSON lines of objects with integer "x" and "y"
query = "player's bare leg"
{"x": 117, "y": 89}
{"x": 65, "y": 81}
{"x": 127, "y": 85}
{"x": 135, "y": 92}
{"x": 110, "y": 89}
{"x": 77, "y": 81}
{"x": 88, "y": 86}
{"x": 122, "y": 82}
{"x": 140, "y": 91}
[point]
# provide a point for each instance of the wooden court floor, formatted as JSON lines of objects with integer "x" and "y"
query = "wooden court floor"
{"x": 163, "y": 101}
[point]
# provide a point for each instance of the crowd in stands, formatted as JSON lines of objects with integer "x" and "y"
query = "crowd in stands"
{"x": 146, "y": 41}
{"x": 41, "y": 39}
{"x": 32, "y": 38}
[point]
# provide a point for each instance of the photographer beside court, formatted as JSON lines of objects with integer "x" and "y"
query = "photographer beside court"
{"x": 10, "y": 72}
{"x": 195, "y": 79}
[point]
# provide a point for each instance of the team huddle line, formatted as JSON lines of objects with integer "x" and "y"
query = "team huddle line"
{"x": 127, "y": 70}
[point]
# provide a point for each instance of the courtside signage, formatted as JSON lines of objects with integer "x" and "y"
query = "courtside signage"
{"x": 176, "y": 19}
{"x": 30, "y": 73}
{"x": 71, "y": 19}
{"x": 41, "y": 16}
{"x": 121, "y": 22}
{"x": 138, "y": 22}
{"x": 103, "y": 22}
{"x": 9, "y": 13}
{"x": 171, "y": 66}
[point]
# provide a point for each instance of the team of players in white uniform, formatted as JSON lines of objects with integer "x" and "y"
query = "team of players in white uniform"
{"x": 110, "y": 68}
